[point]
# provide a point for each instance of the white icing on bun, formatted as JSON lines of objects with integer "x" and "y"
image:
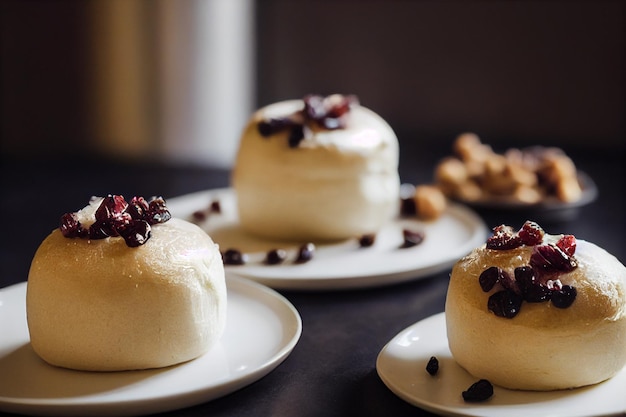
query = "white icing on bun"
{"x": 335, "y": 184}
{"x": 542, "y": 347}
{"x": 100, "y": 305}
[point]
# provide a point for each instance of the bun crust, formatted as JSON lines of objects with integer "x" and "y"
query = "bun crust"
{"x": 99, "y": 305}
{"x": 542, "y": 347}
{"x": 336, "y": 184}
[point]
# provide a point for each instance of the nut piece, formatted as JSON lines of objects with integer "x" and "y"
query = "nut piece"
{"x": 525, "y": 176}
{"x": 430, "y": 202}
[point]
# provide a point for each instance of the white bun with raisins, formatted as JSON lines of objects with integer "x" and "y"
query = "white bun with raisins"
{"x": 324, "y": 183}
{"x": 553, "y": 344}
{"x": 100, "y": 305}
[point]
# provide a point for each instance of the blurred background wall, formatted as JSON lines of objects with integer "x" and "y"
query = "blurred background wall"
{"x": 176, "y": 80}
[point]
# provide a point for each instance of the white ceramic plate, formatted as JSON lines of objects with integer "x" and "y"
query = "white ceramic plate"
{"x": 262, "y": 329}
{"x": 402, "y": 367}
{"x": 341, "y": 265}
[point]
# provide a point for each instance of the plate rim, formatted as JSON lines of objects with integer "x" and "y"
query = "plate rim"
{"x": 291, "y": 324}
{"x": 476, "y": 225}
{"x": 471, "y": 410}
{"x": 589, "y": 194}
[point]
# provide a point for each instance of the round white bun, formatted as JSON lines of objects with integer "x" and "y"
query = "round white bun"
{"x": 99, "y": 305}
{"x": 542, "y": 347}
{"x": 335, "y": 184}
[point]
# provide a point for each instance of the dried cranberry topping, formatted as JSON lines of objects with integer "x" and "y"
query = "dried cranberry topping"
{"x": 432, "y": 367}
{"x": 411, "y": 238}
{"x": 326, "y": 112}
{"x": 536, "y": 282}
{"x": 505, "y": 303}
{"x": 305, "y": 253}
{"x": 567, "y": 243}
{"x": 135, "y": 233}
{"x": 503, "y": 238}
{"x": 71, "y": 227}
{"x": 116, "y": 217}
{"x": 531, "y": 233}
{"x": 275, "y": 256}
{"x": 479, "y": 391}
{"x": 549, "y": 259}
{"x": 234, "y": 257}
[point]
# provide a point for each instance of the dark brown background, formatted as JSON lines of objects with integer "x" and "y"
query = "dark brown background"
{"x": 523, "y": 71}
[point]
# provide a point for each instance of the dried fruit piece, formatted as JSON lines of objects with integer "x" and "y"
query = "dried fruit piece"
{"x": 531, "y": 233}
{"x": 157, "y": 211}
{"x": 407, "y": 206}
{"x": 432, "y": 367}
{"x": 234, "y": 257}
{"x": 326, "y": 112}
{"x": 564, "y": 297}
{"x": 70, "y": 226}
{"x": 272, "y": 126}
{"x": 367, "y": 240}
{"x": 549, "y": 259}
{"x": 305, "y": 253}
{"x": 479, "y": 391}
{"x": 116, "y": 217}
{"x": 411, "y": 238}
{"x": 275, "y": 256}
{"x": 505, "y": 304}
{"x": 503, "y": 238}
{"x": 489, "y": 277}
{"x": 567, "y": 243}
{"x": 135, "y": 233}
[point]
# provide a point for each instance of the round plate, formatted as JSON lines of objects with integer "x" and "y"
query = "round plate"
{"x": 345, "y": 264}
{"x": 550, "y": 209}
{"x": 262, "y": 329}
{"x": 402, "y": 367}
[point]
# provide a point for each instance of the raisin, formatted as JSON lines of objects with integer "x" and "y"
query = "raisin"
{"x": 408, "y": 207}
{"x": 138, "y": 208}
{"x": 432, "y": 367}
{"x": 505, "y": 304}
{"x": 157, "y": 211}
{"x": 296, "y": 136}
{"x": 509, "y": 283}
{"x": 269, "y": 127}
{"x": 367, "y": 240}
{"x": 325, "y": 112}
{"x": 411, "y": 238}
{"x": 479, "y": 391}
{"x": 564, "y": 297}
{"x": 234, "y": 257}
{"x": 489, "y": 277}
{"x": 275, "y": 256}
{"x": 215, "y": 207}
{"x": 532, "y": 290}
{"x": 135, "y": 233}
{"x": 305, "y": 253}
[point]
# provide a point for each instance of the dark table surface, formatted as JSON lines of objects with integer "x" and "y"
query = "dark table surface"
{"x": 331, "y": 371}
